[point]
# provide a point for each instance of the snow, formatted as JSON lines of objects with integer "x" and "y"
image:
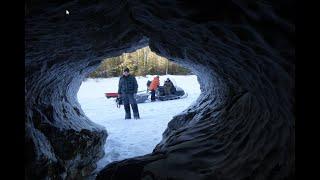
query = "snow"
{"x": 131, "y": 138}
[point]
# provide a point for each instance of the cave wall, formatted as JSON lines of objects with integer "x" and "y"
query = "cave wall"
{"x": 242, "y": 126}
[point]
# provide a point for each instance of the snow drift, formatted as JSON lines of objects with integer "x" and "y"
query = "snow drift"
{"x": 130, "y": 138}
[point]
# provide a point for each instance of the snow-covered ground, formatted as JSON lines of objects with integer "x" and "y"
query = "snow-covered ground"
{"x": 130, "y": 138}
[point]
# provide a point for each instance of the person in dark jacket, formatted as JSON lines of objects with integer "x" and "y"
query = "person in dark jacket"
{"x": 168, "y": 87}
{"x": 127, "y": 91}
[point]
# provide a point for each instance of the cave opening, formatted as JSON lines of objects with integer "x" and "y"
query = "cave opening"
{"x": 241, "y": 126}
{"x": 132, "y": 138}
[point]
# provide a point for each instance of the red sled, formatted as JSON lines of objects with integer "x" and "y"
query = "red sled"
{"x": 111, "y": 95}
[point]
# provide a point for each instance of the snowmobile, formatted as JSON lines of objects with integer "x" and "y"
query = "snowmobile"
{"x": 143, "y": 96}
{"x": 176, "y": 92}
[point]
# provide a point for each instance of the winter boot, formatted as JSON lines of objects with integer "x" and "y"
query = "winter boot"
{"x": 128, "y": 113}
{"x": 135, "y": 111}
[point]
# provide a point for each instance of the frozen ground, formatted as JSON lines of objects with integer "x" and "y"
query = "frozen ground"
{"x": 130, "y": 138}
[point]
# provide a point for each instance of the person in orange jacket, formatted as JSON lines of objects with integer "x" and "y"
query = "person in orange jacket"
{"x": 153, "y": 87}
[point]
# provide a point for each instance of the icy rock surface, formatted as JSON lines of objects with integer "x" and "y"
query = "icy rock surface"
{"x": 242, "y": 126}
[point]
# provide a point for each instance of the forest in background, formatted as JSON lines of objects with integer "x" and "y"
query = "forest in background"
{"x": 141, "y": 63}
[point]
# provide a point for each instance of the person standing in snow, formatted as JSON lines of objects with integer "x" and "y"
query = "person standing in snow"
{"x": 153, "y": 87}
{"x": 127, "y": 91}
